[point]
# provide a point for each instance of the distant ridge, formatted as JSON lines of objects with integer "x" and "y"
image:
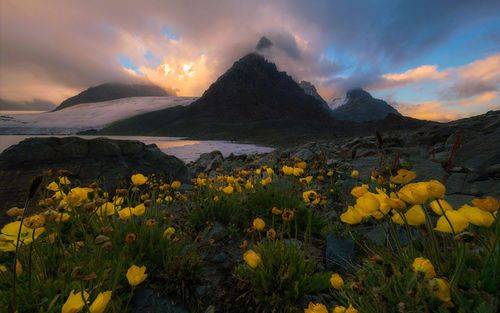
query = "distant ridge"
{"x": 112, "y": 91}
{"x": 359, "y": 106}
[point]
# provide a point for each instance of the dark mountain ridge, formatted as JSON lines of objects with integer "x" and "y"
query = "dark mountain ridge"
{"x": 252, "y": 101}
{"x": 360, "y": 106}
{"x": 112, "y": 91}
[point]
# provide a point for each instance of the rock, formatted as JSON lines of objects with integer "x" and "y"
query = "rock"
{"x": 340, "y": 252}
{"x": 100, "y": 158}
{"x": 220, "y": 258}
{"x": 208, "y": 162}
{"x": 458, "y": 200}
{"x": 304, "y": 155}
{"x": 456, "y": 183}
{"x": 494, "y": 170}
{"x": 147, "y": 300}
{"x": 366, "y": 165}
{"x": 427, "y": 169}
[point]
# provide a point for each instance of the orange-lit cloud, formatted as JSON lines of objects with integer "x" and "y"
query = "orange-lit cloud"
{"x": 424, "y": 72}
{"x": 430, "y": 110}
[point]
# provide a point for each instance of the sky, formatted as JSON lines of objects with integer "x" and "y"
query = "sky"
{"x": 437, "y": 60}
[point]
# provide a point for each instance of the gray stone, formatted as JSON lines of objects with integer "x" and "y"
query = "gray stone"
{"x": 457, "y": 200}
{"x": 340, "y": 252}
{"x": 147, "y": 300}
{"x": 220, "y": 258}
{"x": 304, "y": 155}
{"x": 208, "y": 162}
{"x": 365, "y": 165}
{"x": 456, "y": 183}
{"x": 427, "y": 169}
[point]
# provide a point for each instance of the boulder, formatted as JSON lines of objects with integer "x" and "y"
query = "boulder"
{"x": 208, "y": 162}
{"x": 111, "y": 161}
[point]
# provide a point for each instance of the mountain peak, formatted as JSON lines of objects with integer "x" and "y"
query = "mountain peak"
{"x": 358, "y": 105}
{"x": 358, "y": 93}
{"x": 112, "y": 91}
{"x": 263, "y": 44}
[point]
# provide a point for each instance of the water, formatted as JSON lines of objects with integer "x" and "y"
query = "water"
{"x": 186, "y": 150}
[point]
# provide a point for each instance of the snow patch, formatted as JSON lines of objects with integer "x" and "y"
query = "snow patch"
{"x": 86, "y": 116}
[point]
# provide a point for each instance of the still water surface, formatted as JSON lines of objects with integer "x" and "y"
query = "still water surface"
{"x": 186, "y": 150}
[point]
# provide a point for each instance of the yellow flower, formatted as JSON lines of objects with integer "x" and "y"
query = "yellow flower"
{"x": 276, "y": 211}
{"x": 403, "y": 177}
{"x": 269, "y": 171}
{"x": 9, "y": 232}
{"x": 436, "y": 189}
{"x": 34, "y": 221}
{"x": 139, "y": 210}
{"x": 367, "y": 203}
{"x": 14, "y": 211}
{"x": 415, "y": 215}
{"x": 339, "y": 309}
{"x": 476, "y": 216}
{"x": 136, "y": 275}
{"x": 425, "y": 266}
{"x": 440, "y": 205}
{"x": 489, "y": 204}
{"x": 75, "y": 302}
{"x": 359, "y": 191}
{"x": 252, "y": 258}
{"x": 63, "y": 180}
{"x": 19, "y": 268}
{"x": 336, "y": 281}
{"x": 259, "y": 224}
{"x": 288, "y": 215}
{"x": 138, "y": 179}
{"x": 297, "y": 171}
{"x": 351, "y": 309}
{"x": 271, "y": 234}
{"x": 3, "y": 268}
{"x": 169, "y": 232}
{"x": 176, "y": 184}
{"x": 77, "y": 195}
{"x": 330, "y": 173}
{"x": 414, "y": 193}
{"x": 355, "y": 174}
{"x": 395, "y": 203}
{"x": 316, "y": 308}
{"x": 106, "y": 209}
{"x": 53, "y": 186}
{"x": 228, "y": 190}
{"x": 441, "y": 289}
{"x": 248, "y": 185}
{"x": 287, "y": 170}
{"x": 456, "y": 219}
{"x": 397, "y": 217}
{"x": 101, "y": 302}
{"x": 301, "y": 165}
{"x": 266, "y": 181}
{"x": 306, "y": 180}
{"x": 311, "y": 196}
{"x": 125, "y": 213}
{"x": 352, "y": 216}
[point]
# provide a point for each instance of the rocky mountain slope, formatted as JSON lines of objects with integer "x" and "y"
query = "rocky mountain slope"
{"x": 310, "y": 89}
{"x": 252, "y": 99}
{"x": 112, "y": 91}
{"x": 359, "y": 106}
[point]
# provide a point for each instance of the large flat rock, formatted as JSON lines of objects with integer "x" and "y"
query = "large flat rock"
{"x": 111, "y": 161}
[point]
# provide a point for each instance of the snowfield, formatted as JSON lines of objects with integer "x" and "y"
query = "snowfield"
{"x": 86, "y": 116}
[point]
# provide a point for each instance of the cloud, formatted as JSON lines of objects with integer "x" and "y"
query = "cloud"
{"x": 430, "y": 110}
{"x": 66, "y": 46}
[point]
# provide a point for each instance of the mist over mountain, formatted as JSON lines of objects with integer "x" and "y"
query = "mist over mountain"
{"x": 112, "y": 91}
{"x": 34, "y": 105}
{"x": 358, "y": 105}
